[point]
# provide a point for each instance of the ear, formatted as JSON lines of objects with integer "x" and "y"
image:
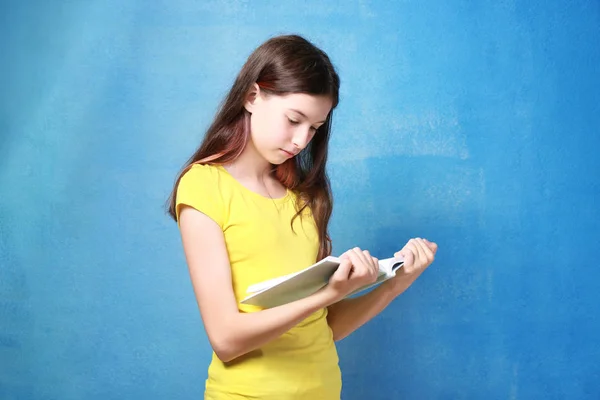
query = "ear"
{"x": 252, "y": 97}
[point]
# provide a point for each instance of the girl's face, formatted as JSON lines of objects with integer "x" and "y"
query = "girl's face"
{"x": 281, "y": 126}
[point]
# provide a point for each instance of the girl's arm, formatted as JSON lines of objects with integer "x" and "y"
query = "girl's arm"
{"x": 348, "y": 315}
{"x": 231, "y": 332}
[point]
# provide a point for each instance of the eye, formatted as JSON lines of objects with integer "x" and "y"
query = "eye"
{"x": 293, "y": 122}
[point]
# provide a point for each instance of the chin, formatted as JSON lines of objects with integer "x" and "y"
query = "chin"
{"x": 277, "y": 162}
{"x": 277, "y": 159}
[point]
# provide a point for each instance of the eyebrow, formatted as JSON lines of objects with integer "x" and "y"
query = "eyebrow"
{"x": 305, "y": 117}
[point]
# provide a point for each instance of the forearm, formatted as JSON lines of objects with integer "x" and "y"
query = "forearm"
{"x": 241, "y": 333}
{"x": 348, "y": 315}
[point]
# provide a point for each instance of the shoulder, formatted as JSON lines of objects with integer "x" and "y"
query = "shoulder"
{"x": 200, "y": 188}
{"x": 197, "y": 173}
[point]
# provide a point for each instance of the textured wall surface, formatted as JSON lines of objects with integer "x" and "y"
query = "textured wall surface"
{"x": 474, "y": 124}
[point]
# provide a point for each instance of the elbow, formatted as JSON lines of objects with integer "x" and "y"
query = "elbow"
{"x": 338, "y": 334}
{"x": 224, "y": 349}
{"x": 334, "y": 336}
{"x": 338, "y": 337}
{"x": 228, "y": 347}
{"x": 225, "y": 344}
{"x": 224, "y": 355}
{"x": 337, "y": 331}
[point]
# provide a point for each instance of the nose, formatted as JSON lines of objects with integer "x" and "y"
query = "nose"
{"x": 301, "y": 139}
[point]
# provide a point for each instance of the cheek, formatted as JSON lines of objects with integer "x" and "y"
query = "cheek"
{"x": 262, "y": 131}
{"x": 281, "y": 129}
{"x": 258, "y": 126}
{"x": 266, "y": 128}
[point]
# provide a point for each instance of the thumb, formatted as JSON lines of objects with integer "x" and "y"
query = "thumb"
{"x": 342, "y": 273}
{"x": 409, "y": 257}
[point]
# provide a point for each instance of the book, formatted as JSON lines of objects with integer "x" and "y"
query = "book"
{"x": 292, "y": 287}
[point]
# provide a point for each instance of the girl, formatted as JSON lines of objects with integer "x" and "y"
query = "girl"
{"x": 253, "y": 203}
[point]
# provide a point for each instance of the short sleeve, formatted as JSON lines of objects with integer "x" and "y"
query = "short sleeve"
{"x": 199, "y": 188}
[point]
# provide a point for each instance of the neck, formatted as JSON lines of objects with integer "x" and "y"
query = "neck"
{"x": 251, "y": 165}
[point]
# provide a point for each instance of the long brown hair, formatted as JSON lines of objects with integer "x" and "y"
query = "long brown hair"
{"x": 282, "y": 65}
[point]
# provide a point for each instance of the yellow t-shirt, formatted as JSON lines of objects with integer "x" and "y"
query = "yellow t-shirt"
{"x": 303, "y": 362}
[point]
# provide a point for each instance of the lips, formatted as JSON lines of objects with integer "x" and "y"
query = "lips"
{"x": 289, "y": 153}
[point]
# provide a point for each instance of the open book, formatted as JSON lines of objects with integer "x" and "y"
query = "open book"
{"x": 288, "y": 288}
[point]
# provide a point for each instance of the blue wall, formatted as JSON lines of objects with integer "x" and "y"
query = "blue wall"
{"x": 474, "y": 124}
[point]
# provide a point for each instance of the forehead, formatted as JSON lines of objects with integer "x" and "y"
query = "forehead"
{"x": 314, "y": 107}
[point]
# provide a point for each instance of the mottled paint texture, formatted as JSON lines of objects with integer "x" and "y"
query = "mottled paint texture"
{"x": 474, "y": 124}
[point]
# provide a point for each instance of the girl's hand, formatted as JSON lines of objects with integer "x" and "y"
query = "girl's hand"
{"x": 418, "y": 255}
{"x": 356, "y": 270}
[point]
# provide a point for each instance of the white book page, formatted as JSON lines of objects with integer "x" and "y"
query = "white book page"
{"x": 259, "y": 287}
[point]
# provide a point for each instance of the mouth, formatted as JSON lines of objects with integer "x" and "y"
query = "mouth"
{"x": 289, "y": 154}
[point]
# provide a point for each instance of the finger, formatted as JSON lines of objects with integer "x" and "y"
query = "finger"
{"x": 432, "y": 246}
{"x": 371, "y": 264}
{"x": 420, "y": 252}
{"x": 370, "y": 261}
{"x": 363, "y": 260}
{"x": 425, "y": 256}
{"x": 360, "y": 254}
{"x": 399, "y": 255}
{"x": 366, "y": 255}
{"x": 409, "y": 256}
{"x": 360, "y": 269}
{"x": 375, "y": 266}
{"x": 343, "y": 272}
{"x": 426, "y": 250}
{"x": 412, "y": 246}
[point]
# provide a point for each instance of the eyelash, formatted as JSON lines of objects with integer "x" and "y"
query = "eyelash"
{"x": 293, "y": 122}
